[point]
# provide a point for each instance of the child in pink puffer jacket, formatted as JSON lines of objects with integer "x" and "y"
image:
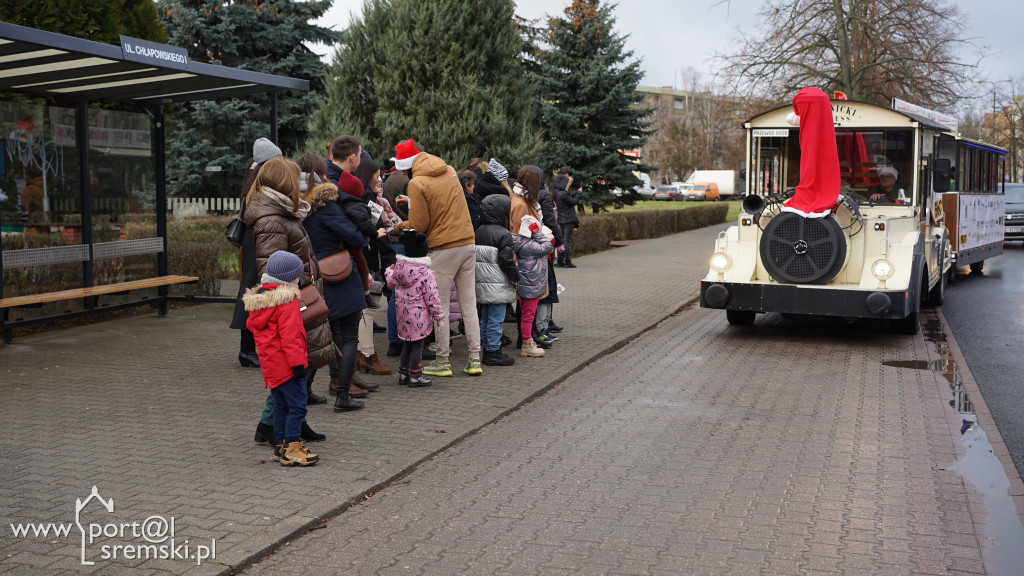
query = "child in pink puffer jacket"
{"x": 417, "y": 304}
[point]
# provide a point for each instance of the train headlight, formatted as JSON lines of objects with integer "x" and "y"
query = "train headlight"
{"x": 721, "y": 263}
{"x": 882, "y": 269}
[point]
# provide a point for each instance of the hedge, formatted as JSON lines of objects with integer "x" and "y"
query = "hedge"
{"x": 196, "y": 247}
{"x": 597, "y": 231}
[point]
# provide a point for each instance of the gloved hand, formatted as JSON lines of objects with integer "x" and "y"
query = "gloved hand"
{"x": 299, "y": 371}
{"x": 534, "y": 228}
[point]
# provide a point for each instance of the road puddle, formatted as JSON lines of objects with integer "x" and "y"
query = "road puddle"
{"x": 1002, "y": 536}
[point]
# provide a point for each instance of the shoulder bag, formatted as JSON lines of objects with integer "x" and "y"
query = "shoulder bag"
{"x": 236, "y": 228}
{"x": 336, "y": 267}
{"x": 311, "y": 304}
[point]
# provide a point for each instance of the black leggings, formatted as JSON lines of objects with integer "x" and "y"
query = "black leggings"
{"x": 248, "y": 344}
{"x": 412, "y": 353}
{"x": 345, "y": 333}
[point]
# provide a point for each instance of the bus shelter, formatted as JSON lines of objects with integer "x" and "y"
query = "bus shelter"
{"x": 74, "y": 178}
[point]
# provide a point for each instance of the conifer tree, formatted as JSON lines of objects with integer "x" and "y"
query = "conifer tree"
{"x": 96, "y": 20}
{"x": 446, "y": 73}
{"x": 586, "y": 81}
{"x": 260, "y": 35}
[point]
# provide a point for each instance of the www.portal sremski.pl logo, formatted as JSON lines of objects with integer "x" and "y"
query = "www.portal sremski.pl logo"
{"x": 156, "y": 532}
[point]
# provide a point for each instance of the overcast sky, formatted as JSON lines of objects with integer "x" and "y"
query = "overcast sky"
{"x": 672, "y": 35}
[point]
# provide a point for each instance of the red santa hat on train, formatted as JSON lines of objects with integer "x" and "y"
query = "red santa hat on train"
{"x": 818, "y": 189}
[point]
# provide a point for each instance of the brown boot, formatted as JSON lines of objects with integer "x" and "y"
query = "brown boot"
{"x": 360, "y": 383}
{"x": 357, "y": 392}
{"x": 362, "y": 365}
{"x": 332, "y": 388}
{"x": 371, "y": 364}
{"x": 296, "y": 454}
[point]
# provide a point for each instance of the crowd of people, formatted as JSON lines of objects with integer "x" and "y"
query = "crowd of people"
{"x": 453, "y": 254}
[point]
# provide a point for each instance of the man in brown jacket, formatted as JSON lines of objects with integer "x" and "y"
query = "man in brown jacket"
{"x": 437, "y": 207}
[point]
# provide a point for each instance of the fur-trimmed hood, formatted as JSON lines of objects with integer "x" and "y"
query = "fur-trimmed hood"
{"x": 279, "y": 295}
{"x": 320, "y": 195}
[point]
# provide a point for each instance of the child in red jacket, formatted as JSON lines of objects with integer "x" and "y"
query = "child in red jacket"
{"x": 276, "y": 322}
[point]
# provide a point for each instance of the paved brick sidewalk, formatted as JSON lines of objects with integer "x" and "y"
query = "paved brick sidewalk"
{"x": 157, "y": 414}
{"x": 695, "y": 449}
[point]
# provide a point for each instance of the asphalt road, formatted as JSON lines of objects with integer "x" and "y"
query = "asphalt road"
{"x": 985, "y": 313}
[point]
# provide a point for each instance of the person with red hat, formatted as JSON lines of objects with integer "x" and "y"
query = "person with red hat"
{"x": 437, "y": 207}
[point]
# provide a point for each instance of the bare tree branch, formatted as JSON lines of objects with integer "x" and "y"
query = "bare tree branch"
{"x": 873, "y": 50}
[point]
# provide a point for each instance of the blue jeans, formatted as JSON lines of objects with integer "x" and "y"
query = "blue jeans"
{"x": 567, "y": 230}
{"x": 289, "y": 409}
{"x": 491, "y": 317}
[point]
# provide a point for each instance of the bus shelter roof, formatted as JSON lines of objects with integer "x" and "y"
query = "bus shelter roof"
{"x": 66, "y": 68}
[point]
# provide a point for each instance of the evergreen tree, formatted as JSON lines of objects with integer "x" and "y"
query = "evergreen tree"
{"x": 587, "y": 103}
{"x": 350, "y": 96}
{"x": 261, "y": 35}
{"x": 96, "y": 20}
{"x": 447, "y": 73}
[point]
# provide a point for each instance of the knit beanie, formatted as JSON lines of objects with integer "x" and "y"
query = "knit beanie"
{"x": 415, "y": 243}
{"x": 263, "y": 150}
{"x": 284, "y": 266}
{"x": 498, "y": 170}
{"x": 349, "y": 184}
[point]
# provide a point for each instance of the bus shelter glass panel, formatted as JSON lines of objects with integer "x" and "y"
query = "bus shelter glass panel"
{"x": 39, "y": 202}
{"x": 121, "y": 177}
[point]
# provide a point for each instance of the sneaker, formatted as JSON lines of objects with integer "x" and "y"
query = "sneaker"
{"x": 428, "y": 354}
{"x": 505, "y": 340}
{"x": 453, "y": 334}
{"x": 437, "y": 368}
{"x": 552, "y": 327}
{"x": 473, "y": 368}
{"x": 497, "y": 358}
{"x": 541, "y": 342}
{"x": 549, "y": 336}
{"x": 394, "y": 349}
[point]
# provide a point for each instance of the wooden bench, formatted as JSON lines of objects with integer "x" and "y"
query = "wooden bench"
{"x": 120, "y": 287}
{"x": 32, "y": 299}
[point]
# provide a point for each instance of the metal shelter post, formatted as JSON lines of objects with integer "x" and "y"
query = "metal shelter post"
{"x": 161, "y": 200}
{"x": 84, "y": 173}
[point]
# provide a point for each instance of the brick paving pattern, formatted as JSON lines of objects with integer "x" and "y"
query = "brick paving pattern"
{"x": 679, "y": 452}
{"x": 159, "y": 415}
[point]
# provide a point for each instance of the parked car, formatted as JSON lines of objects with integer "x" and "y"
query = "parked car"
{"x": 645, "y": 191}
{"x": 682, "y": 189}
{"x": 665, "y": 192}
{"x": 702, "y": 191}
{"x": 1014, "y": 221}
